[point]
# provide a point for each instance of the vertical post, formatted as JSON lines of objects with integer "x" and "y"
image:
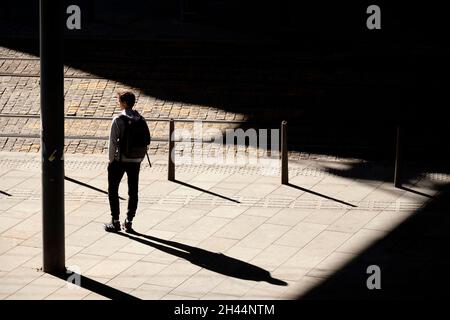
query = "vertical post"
{"x": 171, "y": 169}
{"x": 284, "y": 154}
{"x": 52, "y": 134}
{"x": 398, "y": 159}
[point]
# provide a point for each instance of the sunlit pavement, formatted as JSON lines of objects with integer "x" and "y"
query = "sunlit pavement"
{"x": 277, "y": 241}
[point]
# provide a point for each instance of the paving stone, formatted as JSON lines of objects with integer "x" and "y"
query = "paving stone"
{"x": 324, "y": 216}
{"x": 265, "y": 291}
{"x": 387, "y": 221}
{"x": 107, "y": 245}
{"x": 16, "y": 279}
{"x": 16, "y": 256}
{"x": 234, "y": 287}
{"x": 151, "y": 292}
{"x": 325, "y": 243}
{"x": 245, "y": 254}
{"x": 24, "y": 229}
{"x": 136, "y": 275}
{"x": 7, "y": 223}
{"x": 180, "y": 220}
{"x": 330, "y": 265}
{"x": 199, "y": 284}
{"x": 171, "y": 296}
{"x": 38, "y": 289}
{"x": 113, "y": 265}
{"x": 300, "y": 235}
{"x": 352, "y": 221}
{"x": 273, "y": 256}
{"x": 361, "y": 241}
{"x": 240, "y": 227}
{"x": 83, "y": 262}
{"x": 263, "y": 236}
{"x": 175, "y": 274}
{"x": 289, "y": 216}
{"x": 8, "y": 243}
{"x": 203, "y": 228}
{"x": 86, "y": 235}
{"x": 227, "y": 211}
{"x": 69, "y": 293}
{"x": 301, "y": 287}
{"x": 262, "y": 212}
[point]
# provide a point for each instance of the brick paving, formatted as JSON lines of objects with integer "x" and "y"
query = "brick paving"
{"x": 85, "y": 96}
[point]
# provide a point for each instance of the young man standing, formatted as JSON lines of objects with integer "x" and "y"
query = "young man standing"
{"x": 127, "y": 130}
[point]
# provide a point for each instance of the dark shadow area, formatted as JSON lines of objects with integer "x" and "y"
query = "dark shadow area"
{"x": 216, "y": 262}
{"x": 88, "y": 186}
{"x": 96, "y": 287}
{"x": 5, "y": 193}
{"x": 413, "y": 259}
{"x": 321, "y": 195}
{"x": 382, "y": 171}
{"x": 205, "y": 191}
{"x": 368, "y": 170}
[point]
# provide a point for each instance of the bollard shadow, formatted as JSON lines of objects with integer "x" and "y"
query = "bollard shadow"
{"x": 321, "y": 195}
{"x": 417, "y": 192}
{"x": 95, "y": 286}
{"x": 216, "y": 262}
{"x": 205, "y": 191}
{"x": 5, "y": 193}
{"x": 88, "y": 186}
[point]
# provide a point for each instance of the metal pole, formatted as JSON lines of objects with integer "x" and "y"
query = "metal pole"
{"x": 52, "y": 135}
{"x": 171, "y": 169}
{"x": 398, "y": 159}
{"x": 284, "y": 154}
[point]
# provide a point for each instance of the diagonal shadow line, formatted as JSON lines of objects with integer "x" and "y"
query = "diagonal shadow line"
{"x": 88, "y": 186}
{"x": 417, "y": 192}
{"x": 205, "y": 191}
{"x": 95, "y": 286}
{"x": 321, "y": 195}
{"x": 5, "y": 193}
{"x": 216, "y": 262}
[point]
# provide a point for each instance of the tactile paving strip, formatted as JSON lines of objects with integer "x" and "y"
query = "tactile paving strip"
{"x": 209, "y": 200}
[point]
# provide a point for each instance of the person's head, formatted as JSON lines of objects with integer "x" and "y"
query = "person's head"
{"x": 126, "y": 100}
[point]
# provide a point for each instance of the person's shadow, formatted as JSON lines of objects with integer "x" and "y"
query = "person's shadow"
{"x": 216, "y": 262}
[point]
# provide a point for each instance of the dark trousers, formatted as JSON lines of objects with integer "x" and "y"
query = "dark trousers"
{"x": 116, "y": 170}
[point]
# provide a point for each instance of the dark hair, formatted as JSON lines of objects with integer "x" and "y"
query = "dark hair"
{"x": 127, "y": 97}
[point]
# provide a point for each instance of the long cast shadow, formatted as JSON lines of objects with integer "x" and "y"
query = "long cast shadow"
{"x": 418, "y": 192}
{"x": 95, "y": 286}
{"x": 216, "y": 262}
{"x": 5, "y": 193}
{"x": 205, "y": 191}
{"x": 321, "y": 195}
{"x": 88, "y": 186}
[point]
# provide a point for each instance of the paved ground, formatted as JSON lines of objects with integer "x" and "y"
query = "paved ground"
{"x": 276, "y": 242}
{"x": 221, "y": 232}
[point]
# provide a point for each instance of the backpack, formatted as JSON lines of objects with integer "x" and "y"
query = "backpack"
{"x": 135, "y": 139}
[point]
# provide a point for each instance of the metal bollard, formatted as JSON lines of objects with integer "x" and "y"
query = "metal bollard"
{"x": 171, "y": 167}
{"x": 398, "y": 159}
{"x": 284, "y": 154}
